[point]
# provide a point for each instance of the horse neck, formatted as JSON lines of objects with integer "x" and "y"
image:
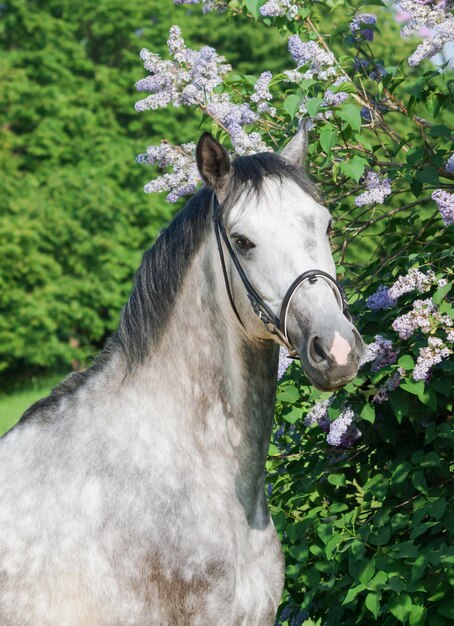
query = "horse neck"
{"x": 217, "y": 381}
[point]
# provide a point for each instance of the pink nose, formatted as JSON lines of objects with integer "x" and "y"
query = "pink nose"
{"x": 340, "y": 349}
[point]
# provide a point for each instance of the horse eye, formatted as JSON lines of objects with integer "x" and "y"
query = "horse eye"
{"x": 242, "y": 243}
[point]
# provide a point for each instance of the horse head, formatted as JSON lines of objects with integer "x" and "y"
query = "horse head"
{"x": 273, "y": 239}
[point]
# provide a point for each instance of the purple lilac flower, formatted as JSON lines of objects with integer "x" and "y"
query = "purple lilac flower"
{"x": 379, "y": 353}
{"x": 434, "y": 19}
{"x": 342, "y": 431}
{"x": 418, "y": 317}
{"x": 304, "y": 53}
{"x": 424, "y": 316}
{"x": 331, "y": 98}
{"x": 245, "y": 143}
{"x": 284, "y": 363}
{"x": 361, "y": 64}
{"x": 358, "y": 22}
{"x": 286, "y": 613}
{"x": 187, "y": 79}
{"x": 391, "y": 384}
{"x": 445, "y": 202}
{"x": 185, "y": 176}
{"x": 380, "y": 300}
{"x": 449, "y": 167}
{"x": 262, "y": 94}
{"x": 372, "y": 69}
{"x": 429, "y": 356}
{"x": 293, "y": 76}
{"x": 318, "y": 415}
{"x": 299, "y": 618}
{"x": 377, "y": 73}
{"x": 234, "y": 117}
{"x": 279, "y": 8}
{"x": 366, "y": 114}
{"x": 207, "y": 5}
{"x": 377, "y": 190}
{"x": 228, "y": 113}
{"x": 415, "y": 280}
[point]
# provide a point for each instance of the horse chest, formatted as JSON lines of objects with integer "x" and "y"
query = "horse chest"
{"x": 229, "y": 586}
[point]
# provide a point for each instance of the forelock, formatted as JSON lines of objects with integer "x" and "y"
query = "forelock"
{"x": 250, "y": 173}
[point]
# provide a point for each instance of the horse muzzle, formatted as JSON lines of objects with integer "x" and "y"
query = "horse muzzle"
{"x": 331, "y": 355}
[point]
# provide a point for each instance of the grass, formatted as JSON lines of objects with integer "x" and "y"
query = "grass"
{"x": 19, "y": 398}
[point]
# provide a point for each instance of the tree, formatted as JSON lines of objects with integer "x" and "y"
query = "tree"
{"x": 73, "y": 219}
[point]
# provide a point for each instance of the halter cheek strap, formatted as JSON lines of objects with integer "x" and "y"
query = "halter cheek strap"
{"x": 275, "y": 325}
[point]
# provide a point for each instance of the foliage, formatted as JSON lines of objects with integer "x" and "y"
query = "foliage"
{"x": 367, "y": 530}
{"x": 360, "y": 481}
{"x": 73, "y": 219}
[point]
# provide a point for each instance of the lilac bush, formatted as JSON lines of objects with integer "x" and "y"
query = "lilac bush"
{"x": 432, "y": 15}
{"x": 358, "y": 480}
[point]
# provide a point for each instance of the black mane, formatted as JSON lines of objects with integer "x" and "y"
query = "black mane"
{"x": 160, "y": 276}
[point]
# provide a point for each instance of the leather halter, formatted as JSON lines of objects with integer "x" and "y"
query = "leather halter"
{"x": 275, "y": 325}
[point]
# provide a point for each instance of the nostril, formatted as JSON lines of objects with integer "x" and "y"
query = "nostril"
{"x": 317, "y": 354}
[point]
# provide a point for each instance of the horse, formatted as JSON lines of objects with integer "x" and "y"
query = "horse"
{"x": 134, "y": 493}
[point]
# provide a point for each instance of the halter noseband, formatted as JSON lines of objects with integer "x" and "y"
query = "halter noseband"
{"x": 275, "y": 325}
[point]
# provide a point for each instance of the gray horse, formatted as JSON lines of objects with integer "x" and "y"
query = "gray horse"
{"x": 134, "y": 493}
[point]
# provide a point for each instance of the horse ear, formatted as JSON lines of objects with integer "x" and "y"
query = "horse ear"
{"x": 296, "y": 149}
{"x": 213, "y": 163}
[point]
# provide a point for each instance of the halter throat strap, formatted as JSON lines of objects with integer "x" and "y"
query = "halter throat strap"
{"x": 275, "y": 325}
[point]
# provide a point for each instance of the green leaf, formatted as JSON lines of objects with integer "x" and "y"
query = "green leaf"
{"x": 419, "y": 482}
{"x": 300, "y": 552}
{"x": 354, "y": 168}
{"x": 350, "y": 114}
{"x": 417, "y": 88}
{"x": 253, "y": 7}
{"x": 378, "y": 581}
{"x": 337, "y": 479}
{"x": 363, "y": 141}
{"x": 440, "y": 130}
{"x": 428, "y": 175}
{"x": 413, "y": 386}
{"x": 352, "y": 593}
{"x": 438, "y": 508}
{"x": 292, "y": 104}
{"x": 373, "y": 603}
{"x": 293, "y": 415}
{"x": 441, "y": 293}
{"x": 405, "y": 550}
{"x": 289, "y": 393}
{"x": 273, "y": 450}
{"x": 312, "y": 105}
{"x": 328, "y": 138}
{"x": 401, "y": 607}
{"x": 380, "y": 536}
{"x": 367, "y": 572}
{"x": 416, "y": 616}
{"x": 406, "y": 362}
{"x": 368, "y": 413}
